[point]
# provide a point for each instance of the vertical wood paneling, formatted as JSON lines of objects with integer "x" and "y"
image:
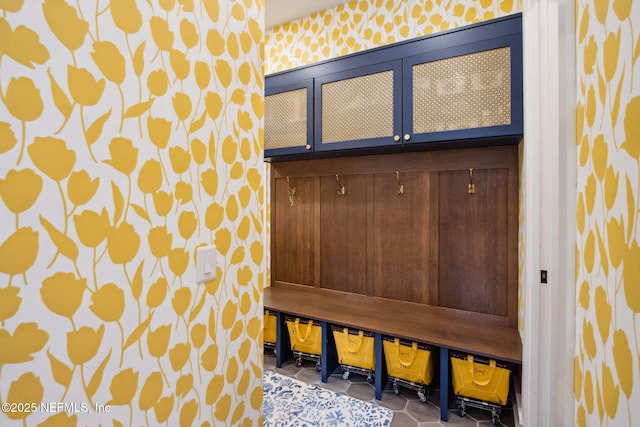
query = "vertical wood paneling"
{"x": 401, "y": 237}
{"x": 433, "y": 245}
{"x": 293, "y": 232}
{"x": 473, "y": 257}
{"x": 343, "y": 234}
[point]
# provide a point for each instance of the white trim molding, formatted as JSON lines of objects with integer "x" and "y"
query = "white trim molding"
{"x": 549, "y": 183}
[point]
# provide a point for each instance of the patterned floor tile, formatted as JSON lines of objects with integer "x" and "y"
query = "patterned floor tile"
{"x": 408, "y": 410}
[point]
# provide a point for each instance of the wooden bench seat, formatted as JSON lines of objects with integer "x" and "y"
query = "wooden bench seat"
{"x": 400, "y": 319}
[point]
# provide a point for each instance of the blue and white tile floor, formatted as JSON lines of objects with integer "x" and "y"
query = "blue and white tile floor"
{"x": 290, "y": 402}
{"x": 408, "y": 410}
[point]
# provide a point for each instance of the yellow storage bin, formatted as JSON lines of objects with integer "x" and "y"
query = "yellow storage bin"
{"x": 408, "y": 361}
{"x": 305, "y": 335}
{"x": 354, "y": 348}
{"x": 489, "y": 383}
{"x": 270, "y": 320}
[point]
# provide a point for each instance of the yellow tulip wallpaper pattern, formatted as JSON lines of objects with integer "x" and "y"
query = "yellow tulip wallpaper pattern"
{"x": 607, "y": 362}
{"x": 364, "y": 24}
{"x": 130, "y": 135}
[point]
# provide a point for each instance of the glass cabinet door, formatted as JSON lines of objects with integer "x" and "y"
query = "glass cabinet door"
{"x": 359, "y": 108}
{"x": 288, "y": 113}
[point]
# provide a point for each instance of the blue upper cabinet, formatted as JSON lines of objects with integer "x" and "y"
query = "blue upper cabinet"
{"x": 461, "y": 87}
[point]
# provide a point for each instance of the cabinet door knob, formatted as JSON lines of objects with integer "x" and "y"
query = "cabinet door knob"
{"x": 407, "y": 137}
{"x": 396, "y": 138}
{"x": 308, "y": 146}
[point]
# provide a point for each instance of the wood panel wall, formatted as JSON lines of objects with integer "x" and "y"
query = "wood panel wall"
{"x": 343, "y": 233}
{"x": 435, "y": 244}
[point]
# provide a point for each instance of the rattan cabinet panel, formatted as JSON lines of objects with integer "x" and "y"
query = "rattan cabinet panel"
{"x": 359, "y": 108}
{"x": 462, "y": 92}
{"x": 288, "y": 118}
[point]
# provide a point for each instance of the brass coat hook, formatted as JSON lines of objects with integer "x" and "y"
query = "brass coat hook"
{"x": 341, "y": 190}
{"x": 292, "y": 192}
{"x": 472, "y": 187}
{"x": 400, "y": 188}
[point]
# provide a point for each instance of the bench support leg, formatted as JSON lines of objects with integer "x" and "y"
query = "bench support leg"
{"x": 381, "y": 368}
{"x": 283, "y": 343}
{"x": 444, "y": 383}
{"x": 328, "y": 358}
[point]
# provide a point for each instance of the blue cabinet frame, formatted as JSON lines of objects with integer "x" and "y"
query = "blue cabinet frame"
{"x": 515, "y": 128}
{"x": 302, "y": 148}
{"x": 500, "y": 32}
{"x": 396, "y": 68}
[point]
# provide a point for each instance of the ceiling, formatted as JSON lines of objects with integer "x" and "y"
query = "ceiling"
{"x": 278, "y": 12}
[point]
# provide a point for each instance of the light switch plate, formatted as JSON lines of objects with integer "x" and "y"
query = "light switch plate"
{"x": 206, "y": 264}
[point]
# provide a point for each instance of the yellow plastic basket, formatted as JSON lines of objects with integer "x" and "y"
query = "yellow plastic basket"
{"x": 305, "y": 335}
{"x": 408, "y": 361}
{"x": 269, "y": 336}
{"x": 480, "y": 381}
{"x": 354, "y": 348}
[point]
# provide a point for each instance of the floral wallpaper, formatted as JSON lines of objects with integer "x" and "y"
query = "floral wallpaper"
{"x": 607, "y": 361}
{"x": 364, "y": 24}
{"x": 130, "y": 135}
